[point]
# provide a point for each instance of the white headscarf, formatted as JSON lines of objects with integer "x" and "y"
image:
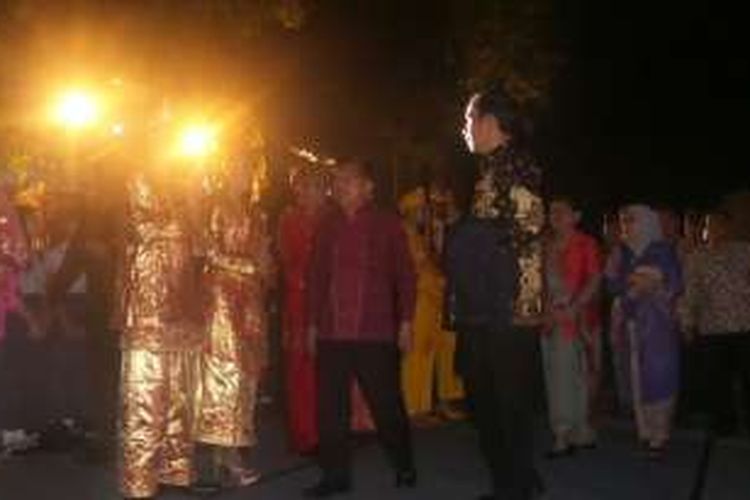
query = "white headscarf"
{"x": 646, "y": 230}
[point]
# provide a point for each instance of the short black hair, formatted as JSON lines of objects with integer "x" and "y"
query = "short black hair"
{"x": 362, "y": 167}
{"x": 568, "y": 200}
{"x": 496, "y": 102}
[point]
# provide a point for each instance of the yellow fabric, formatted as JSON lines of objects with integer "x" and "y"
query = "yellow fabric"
{"x": 449, "y": 384}
{"x": 433, "y": 349}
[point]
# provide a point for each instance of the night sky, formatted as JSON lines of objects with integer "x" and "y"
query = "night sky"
{"x": 657, "y": 98}
{"x": 651, "y": 104}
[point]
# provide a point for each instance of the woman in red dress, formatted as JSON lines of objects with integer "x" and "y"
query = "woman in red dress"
{"x": 297, "y": 230}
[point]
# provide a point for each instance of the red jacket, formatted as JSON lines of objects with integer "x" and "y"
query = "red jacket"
{"x": 362, "y": 279}
{"x": 579, "y": 262}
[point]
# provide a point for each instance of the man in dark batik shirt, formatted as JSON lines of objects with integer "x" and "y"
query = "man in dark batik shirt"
{"x": 498, "y": 360}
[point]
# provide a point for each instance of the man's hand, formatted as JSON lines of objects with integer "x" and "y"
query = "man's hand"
{"x": 405, "y": 337}
{"x": 312, "y": 340}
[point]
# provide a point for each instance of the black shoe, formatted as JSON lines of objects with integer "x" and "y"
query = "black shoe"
{"x": 560, "y": 453}
{"x": 406, "y": 479}
{"x": 206, "y": 487}
{"x": 587, "y": 446}
{"x": 538, "y": 487}
{"x": 656, "y": 453}
{"x": 325, "y": 489}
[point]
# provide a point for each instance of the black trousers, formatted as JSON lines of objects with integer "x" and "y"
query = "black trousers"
{"x": 500, "y": 375}
{"x": 376, "y": 367}
{"x": 103, "y": 366}
{"x": 721, "y": 361}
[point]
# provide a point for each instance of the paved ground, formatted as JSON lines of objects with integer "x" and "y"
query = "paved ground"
{"x": 449, "y": 469}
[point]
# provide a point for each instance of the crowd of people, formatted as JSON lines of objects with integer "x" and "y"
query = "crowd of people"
{"x": 387, "y": 318}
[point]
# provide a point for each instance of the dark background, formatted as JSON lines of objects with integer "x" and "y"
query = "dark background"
{"x": 636, "y": 100}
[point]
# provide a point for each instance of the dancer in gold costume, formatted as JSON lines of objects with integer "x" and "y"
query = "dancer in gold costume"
{"x": 158, "y": 297}
{"x": 234, "y": 352}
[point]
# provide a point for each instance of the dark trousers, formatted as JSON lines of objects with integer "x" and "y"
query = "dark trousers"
{"x": 103, "y": 368}
{"x": 722, "y": 361}
{"x": 500, "y": 375}
{"x": 376, "y": 367}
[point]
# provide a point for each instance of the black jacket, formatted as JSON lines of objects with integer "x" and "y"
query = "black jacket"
{"x": 481, "y": 266}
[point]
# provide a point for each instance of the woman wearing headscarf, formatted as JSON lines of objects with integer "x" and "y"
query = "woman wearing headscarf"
{"x": 645, "y": 276}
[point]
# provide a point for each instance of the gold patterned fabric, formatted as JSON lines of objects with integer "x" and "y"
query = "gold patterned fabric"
{"x": 160, "y": 305}
{"x": 509, "y": 190}
{"x": 233, "y": 354}
{"x": 156, "y": 421}
{"x": 158, "y": 298}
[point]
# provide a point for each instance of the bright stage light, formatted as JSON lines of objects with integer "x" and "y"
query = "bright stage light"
{"x": 77, "y": 109}
{"x": 118, "y": 129}
{"x": 198, "y": 141}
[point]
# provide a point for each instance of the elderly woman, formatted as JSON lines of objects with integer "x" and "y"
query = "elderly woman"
{"x": 646, "y": 278}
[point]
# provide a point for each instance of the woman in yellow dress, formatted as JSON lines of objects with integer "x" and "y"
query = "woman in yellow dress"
{"x": 431, "y": 357}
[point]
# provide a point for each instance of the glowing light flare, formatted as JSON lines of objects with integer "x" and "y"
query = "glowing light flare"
{"x": 117, "y": 129}
{"x": 77, "y": 109}
{"x": 308, "y": 155}
{"x": 198, "y": 140}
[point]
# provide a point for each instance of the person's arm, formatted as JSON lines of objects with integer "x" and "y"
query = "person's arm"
{"x": 318, "y": 280}
{"x": 614, "y": 276}
{"x": 689, "y": 303}
{"x": 503, "y": 278}
{"x": 284, "y": 239}
{"x": 449, "y": 294}
{"x": 406, "y": 283}
{"x": 593, "y": 270}
{"x": 218, "y": 259}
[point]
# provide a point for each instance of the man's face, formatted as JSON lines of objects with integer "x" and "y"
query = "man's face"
{"x": 310, "y": 192}
{"x": 562, "y": 217}
{"x": 482, "y": 133}
{"x": 351, "y": 188}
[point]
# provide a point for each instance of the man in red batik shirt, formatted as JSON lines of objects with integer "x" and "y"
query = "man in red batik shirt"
{"x": 362, "y": 298}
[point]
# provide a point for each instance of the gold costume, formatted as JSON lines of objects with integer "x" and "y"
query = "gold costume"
{"x": 159, "y": 330}
{"x": 233, "y": 354}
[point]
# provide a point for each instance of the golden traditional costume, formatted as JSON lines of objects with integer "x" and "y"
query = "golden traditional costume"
{"x": 158, "y": 295}
{"x": 234, "y": 352}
